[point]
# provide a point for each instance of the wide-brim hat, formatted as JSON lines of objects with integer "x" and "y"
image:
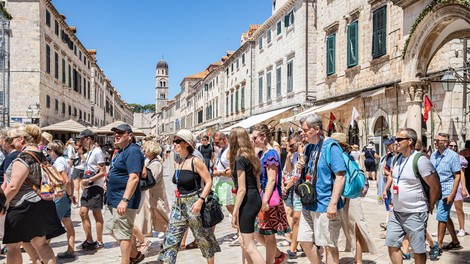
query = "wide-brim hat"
{"x": 47, "y": 137}
{"x": 340, "y": 138}
{"x": 187, "y": 136}
{"x": 370, "y": 146}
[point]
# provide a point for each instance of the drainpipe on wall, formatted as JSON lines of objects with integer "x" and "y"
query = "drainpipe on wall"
{"x": 306, "y": 50}
{"x": 464, "y": 99}
{"x": 251, "y": 78}
{"x": 398, "y": 110}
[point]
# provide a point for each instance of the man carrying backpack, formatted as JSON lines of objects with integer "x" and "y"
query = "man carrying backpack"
{"x": 415, "y": 190}
{"x": 323, "y": 215}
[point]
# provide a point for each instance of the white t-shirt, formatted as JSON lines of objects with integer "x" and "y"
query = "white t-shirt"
{"x": 92, "y": 159}
{"x": 411, "y": 197}
{"x": 221, "y": 164}
{"x": 70, "y": 152}
{"x": 61, "y": 164}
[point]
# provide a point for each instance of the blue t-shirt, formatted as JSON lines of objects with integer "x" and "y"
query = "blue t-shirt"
{"x": 326, "y": 178}
{"x": 128, "y": 160}
{"x": 446, "y": 165}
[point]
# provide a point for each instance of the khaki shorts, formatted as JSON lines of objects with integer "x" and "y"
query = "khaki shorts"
{"x": 120, "y": 227}
{"x": 317, "y": 228}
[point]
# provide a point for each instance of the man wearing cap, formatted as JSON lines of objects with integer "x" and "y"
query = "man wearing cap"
{"x": 92, "y": 183}
{"x": 123, "y": 193}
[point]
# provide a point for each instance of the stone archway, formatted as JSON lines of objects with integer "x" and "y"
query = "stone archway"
{"x": 438, "y": 24}
{"x": 442, "y": 24}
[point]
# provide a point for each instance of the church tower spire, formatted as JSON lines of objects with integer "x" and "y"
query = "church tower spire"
{"x": 161, "y": 85}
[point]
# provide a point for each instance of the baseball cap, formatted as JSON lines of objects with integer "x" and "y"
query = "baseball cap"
{"x": 123, "y": 127}
{"x": 390, "y": 141}
{"x": 85, "y": 133}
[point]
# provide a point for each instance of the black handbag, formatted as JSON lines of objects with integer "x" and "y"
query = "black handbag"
{"x": 307, "y": 190}
{"x": 211, "y": 213}
{"x": 3, "y": 200}
{"x": 149, "y": 181}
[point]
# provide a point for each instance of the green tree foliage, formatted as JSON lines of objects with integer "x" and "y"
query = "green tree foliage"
{"x": 148, "y": 108}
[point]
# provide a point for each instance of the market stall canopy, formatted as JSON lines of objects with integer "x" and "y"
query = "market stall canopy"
{"x": 106, "y": 130}
{"x": 316, "y": 109}
{"x": 70, "y": 126}
{"x": 256, "y": 119}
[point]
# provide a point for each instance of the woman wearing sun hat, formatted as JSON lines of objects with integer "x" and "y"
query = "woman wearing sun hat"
{"x": 190, "y": 196}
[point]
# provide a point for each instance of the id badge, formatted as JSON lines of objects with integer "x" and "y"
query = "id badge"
{"x": 395, "y": 189}
{"x": 177, "y": 193}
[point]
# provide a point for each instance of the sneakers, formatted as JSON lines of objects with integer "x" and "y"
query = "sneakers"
{"x": 406, "y": 256}
{"x": 434, "y": 251}
{"x": 292, "y": 255}
{"x": 99, "y": 245}
{"x": 281, "y": 259}
{"x": 234, "y": 243}
{"x": 461, "y": 233}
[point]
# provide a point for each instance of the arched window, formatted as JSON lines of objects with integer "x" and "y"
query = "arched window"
{"x": 381, "y": 127}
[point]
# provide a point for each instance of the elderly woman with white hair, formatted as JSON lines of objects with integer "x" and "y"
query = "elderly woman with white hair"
{"x": 154, "y": 210}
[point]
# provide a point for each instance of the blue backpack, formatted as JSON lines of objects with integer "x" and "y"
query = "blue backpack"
{"x": 355, "y": 180}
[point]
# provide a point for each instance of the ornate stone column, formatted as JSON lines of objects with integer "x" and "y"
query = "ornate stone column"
{"x": 413, "y": 92}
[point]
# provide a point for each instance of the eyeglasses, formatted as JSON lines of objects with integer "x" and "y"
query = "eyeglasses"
{"x": 401, "y": 139}
{"x": 177, "y": 141}
{"x": 453, "y": 146}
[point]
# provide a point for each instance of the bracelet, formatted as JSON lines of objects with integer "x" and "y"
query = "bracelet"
{"x": 202, "y": 198}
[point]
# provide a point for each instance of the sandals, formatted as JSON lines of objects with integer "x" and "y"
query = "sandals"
{"x": 451, "y": 246}
{"x": 405, "y": 256}
{"x": 384, "y": 226}
{"x": 143, "y": 247}
{"x": 191, "y": 245}
{"x": 139, "y": 258}
{"x": 66, "y": 255}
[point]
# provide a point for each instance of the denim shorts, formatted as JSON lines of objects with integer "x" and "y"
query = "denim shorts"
{"x": 63, "y": 207}
{"x": 443, "y": 211}
{"x": 293, "y": 201}
{"x": 411, "y": 224}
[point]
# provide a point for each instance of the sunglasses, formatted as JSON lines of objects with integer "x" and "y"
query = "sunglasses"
{"x": 177, "y": 141}
{"x": 453, "y": 146}
{"x": 401, "y": 139}
{"x": 254, "y": 138}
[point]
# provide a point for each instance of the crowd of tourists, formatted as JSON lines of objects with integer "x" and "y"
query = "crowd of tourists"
{"x": 256, "y": 180}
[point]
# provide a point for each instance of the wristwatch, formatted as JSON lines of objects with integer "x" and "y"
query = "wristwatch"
{"x": 125, "y": 200}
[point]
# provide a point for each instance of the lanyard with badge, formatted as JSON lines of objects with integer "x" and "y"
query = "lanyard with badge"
{"x": 400, "y": 171}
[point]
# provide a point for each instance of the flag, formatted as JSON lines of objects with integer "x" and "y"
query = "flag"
{"x": 354, "y": 115}
{"x": 427, "y": 108}
{"x": 291, "y": 128}
{"x": 332, "y": 118}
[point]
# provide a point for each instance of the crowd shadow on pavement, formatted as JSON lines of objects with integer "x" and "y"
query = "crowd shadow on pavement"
{"x": 350, "y": 260}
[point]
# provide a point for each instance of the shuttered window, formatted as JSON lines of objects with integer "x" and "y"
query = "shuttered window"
{"x": 330, "y": 54}
{"x": 260, "y": 89}
{"x": 379, "y": 36}
{"x": 352, "y": 46}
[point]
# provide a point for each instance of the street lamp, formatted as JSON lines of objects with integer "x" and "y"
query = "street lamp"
{"x": 29, "y": 112}
{"x": 448, "y": 80}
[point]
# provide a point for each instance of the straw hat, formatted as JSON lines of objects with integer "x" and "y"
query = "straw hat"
{"x": 187, "y": 136}
{"x": 340, "y": 137}
{"x": 47, "y": 137}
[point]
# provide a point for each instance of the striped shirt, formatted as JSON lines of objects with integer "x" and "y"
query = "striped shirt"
{"x": 446, "y": 164}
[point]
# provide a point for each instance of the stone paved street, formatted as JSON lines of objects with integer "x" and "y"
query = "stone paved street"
{"x": 373, "y": 211}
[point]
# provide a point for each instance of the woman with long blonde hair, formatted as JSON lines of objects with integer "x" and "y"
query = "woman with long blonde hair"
{"x": 245, "y": 167}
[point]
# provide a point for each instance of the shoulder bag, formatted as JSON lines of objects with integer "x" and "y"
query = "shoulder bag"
{"x": 307, "y": 190}
{"x": 149, "y": 181}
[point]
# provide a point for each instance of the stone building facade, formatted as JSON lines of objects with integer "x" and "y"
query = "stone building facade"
{"x": 53, "y": 73}
{"x": 381, "y": 57}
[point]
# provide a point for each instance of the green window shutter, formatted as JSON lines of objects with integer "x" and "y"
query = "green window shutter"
{"x": 236, "y": 101}
{"x": 260, "y": 89}
{"x": 330, "y": 55}
{"x": 379, "y": 37}
{"x": 279, "y": 27}
{"x": 352, "y": 47}
{"x": 286, "y": 20}
{"x": 242, "y": 105}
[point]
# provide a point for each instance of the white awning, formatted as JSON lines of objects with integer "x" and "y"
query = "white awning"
{"x": 256, "y": 119}
{"x": 373, "y": 93}
{"x": 197, "y": 133}
{"x": 316, "y": 109}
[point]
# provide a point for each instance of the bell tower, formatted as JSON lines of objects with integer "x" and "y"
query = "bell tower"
{"x": 161, "y": 85}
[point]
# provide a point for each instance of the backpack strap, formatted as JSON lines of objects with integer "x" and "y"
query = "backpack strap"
{"x": 415, "y": 165}
{"x": 395, "y": 159}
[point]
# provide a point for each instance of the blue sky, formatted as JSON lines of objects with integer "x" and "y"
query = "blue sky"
{"x": 132, "y": 36}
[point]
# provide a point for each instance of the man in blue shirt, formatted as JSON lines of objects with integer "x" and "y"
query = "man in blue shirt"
{"x": 320, "y": 223}
{"x": 123, "y": 193}
{"x": 448, "y": 167}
